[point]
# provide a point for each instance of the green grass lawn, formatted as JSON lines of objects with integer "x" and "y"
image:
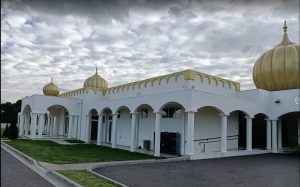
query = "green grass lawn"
{"x": 48, "y": 151}
{"x": 87, "y": 179}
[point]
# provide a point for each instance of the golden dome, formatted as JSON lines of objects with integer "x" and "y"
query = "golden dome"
{"x": 278, "y": 68}
{"x": 51, "y": 89}
{"x": 96, "y": 82}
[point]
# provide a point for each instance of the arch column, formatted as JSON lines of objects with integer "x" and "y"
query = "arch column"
{"x": 21, "y": 132}
{"x": 279, "y": 134}
{"x": 190, "y": 133}
{"x": 88, "y": 128}
{"x": 133, "y": 130}
{"x": 114, "y": 130}
{"x": 54, "y": 131}
{"x": 75, "y": 127}
{"x": 49, "y": 124}
{"x": 41, "y": 124}
{"x": 71, "y": 122}
{"x": 99, "y": 130}
{"x": 33, "y": 125}
{"x": 274, "y": 135}
{"x": 269, "y": 134}
{"x": 223, "y": 133}
{"x": 157, "y": 134}
{"x": 249, "y": 133}
{"x": 27, "y": 119}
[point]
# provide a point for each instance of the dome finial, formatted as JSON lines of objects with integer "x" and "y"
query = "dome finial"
{"x": 96, "y": 70}
{"x": 285, "y": 27}
{"x": 51, "y": 79}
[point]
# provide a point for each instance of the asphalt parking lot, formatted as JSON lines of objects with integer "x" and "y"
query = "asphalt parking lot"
{"x": 268, "y": 170}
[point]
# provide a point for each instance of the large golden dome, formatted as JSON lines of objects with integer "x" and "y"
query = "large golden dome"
{"x": 96, "y": 82}
{"x": 278, "y": 68}
{"x": 51, "y": 89}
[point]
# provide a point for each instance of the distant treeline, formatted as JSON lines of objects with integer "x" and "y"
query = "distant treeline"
{"x": 9, "y": 112}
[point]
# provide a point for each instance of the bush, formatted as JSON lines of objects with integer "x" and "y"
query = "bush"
{"x": 13, "y": 131}
{"x": 5, "y": 133}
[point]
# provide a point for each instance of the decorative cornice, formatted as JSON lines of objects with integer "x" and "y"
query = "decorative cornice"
{"x": 187, "y": 75}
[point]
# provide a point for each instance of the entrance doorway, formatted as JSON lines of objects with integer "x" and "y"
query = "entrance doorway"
{"x": 290, "y": 129}
{"x": 259, "y": 132}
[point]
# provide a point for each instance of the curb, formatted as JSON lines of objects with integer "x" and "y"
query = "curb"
{"x": 107, "y": 178}
{"x": 52, "y": 177}
{"x": 63, "y": 179}
{"x": 133, "y": 162}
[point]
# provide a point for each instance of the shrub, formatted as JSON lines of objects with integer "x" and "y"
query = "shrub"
{"x": 5, "y": 133}
{"x": 13, "y": 131}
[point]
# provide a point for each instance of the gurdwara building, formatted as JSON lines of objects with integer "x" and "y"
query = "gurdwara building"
{"x": 186, "y": 113}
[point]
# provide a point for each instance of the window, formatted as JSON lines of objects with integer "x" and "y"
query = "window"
{"x": 119, "y": 115}
{"x": 144, "y": 113}
{"x": 171, "y": 112}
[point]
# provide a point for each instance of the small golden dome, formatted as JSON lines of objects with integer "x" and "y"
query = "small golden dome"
{"x": 278, "y": 68}
{"x": 51, "y": 89}
{"x": 96, "y": 82}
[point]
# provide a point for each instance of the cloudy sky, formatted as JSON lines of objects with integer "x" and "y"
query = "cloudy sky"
{"x": 134, "y": 40}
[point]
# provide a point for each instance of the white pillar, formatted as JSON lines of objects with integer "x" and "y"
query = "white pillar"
{"x": 88, "y": 127}
{"x": 114, "y": 130}
{"x": 279, "y": 134}
{"x": 71, "y": 122}
{"x": 190, "y": 133}
{"x": 157, "y": 134}
{"x": 75, "y": 127}
{"x": 223, "y": 133}
{"x": 274, "y": 136}
{"x": 249, "y": 133}
{"x": 49, "y": 124}
{"x": 41, "y": 123}
{"x": 26, "y": 124}
{"x": 133, "y": 129}
{"x": 33, "y": 125}
{"x": 21, "y": 132}
{"x": 269, "y": 147}
{"x": 54, "y": 133}
{"x": 99, "y": 130}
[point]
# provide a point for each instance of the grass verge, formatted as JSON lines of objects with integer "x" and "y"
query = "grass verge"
{"x": 48, "y": 151}
{"x": 87, "y": 179}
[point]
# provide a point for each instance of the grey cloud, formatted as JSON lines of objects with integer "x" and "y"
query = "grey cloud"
{"x": 134, "y": 40}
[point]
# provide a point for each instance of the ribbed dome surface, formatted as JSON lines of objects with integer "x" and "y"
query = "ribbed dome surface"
{"x": 51, "y": 89}
{"x": 96, "y": 82}
{"x": 278, "y": 68}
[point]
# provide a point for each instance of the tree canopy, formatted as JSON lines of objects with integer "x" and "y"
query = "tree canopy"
{"x": 9, "y": 112}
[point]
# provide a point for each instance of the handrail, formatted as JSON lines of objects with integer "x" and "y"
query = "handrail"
{"x": 214, "y": 138}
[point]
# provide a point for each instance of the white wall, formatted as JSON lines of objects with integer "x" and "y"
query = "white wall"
{"x": 208, "y": 125}
{"x": 146, "y": 128}
{"x": 124, "y": 128}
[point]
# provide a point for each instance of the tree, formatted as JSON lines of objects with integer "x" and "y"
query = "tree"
{"x": 9, "y": 112}
{"x": 13, "y": 131}
{"x": 5, "y": 133}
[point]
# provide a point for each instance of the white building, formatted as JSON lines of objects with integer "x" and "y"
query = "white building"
{"x": 184, "y": 113}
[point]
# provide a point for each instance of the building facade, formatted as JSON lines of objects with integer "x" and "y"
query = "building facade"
{"x": 184, "y": 113}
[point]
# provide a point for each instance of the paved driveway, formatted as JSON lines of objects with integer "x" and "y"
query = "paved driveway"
{"x": 15, "y": 174}
{"x": 267, "y": 170}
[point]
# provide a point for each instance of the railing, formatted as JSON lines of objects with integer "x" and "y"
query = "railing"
{"x": 204, "y": 141}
